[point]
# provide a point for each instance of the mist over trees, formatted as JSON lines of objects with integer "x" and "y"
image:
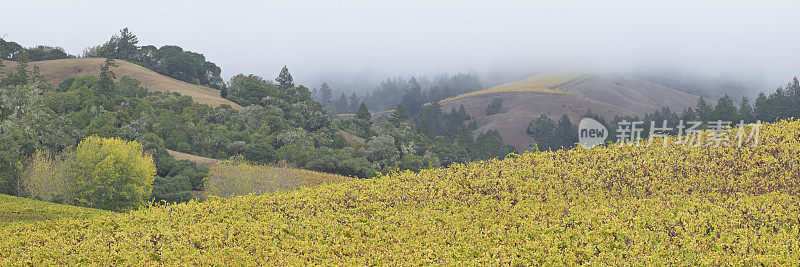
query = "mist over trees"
{"x": 708, "y": 86}
{"x": 412, "y": 92}
{"x": 783, "y": 103}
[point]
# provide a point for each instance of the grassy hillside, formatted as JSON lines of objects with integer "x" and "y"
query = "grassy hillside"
{"x": 58, "y": 70}
{"x": 570, "y": 93}
{"x": 21, "y": 210}
{"x": 618, "y": 205}
{"x": 548, "y": 83}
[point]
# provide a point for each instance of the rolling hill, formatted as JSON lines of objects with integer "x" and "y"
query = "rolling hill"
{"x": 59, "y": 70}
{"x": 570, "y": 93}
{"x": 617, "y": 205}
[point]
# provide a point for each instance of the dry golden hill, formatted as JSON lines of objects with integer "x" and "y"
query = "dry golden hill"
{"x": 59, "y": 70}
{"x": 570, "y": 93}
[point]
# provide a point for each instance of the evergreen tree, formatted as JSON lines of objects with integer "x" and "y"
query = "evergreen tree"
{"x": 725, "y": 110}
{"x": 543, "y": 131}
{"x": 126, "y": 45}
{"x": 341, "y": 106}
{"x": 495, "y": 106}
{"x": 566, "y": 132}
{"x": 353, "y": 103}
{"x": 746, "y": 113}
{"x": 107, "y": 78}
{"x": 703, "y": 112}
{"x": 462, "y": 113}
{"x": 761, "y": 108}
{"x": 430, "y": 120}
{"x": 689, "y": 115}
{"x": 412, "y": 100}
{"x": 326, "y": 96}
{"x": 399, "y": 114}
{"x": 363, "y": 112}
{"x": 284, "y": 79}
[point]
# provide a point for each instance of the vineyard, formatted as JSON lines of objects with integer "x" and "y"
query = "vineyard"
{"x": 16, "y": 210}
{"x": 548, "y": 83}
{"x": 230, "y": 178}
{"x": 619, "y": 205}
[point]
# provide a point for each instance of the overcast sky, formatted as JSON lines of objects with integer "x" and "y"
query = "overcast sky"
{"x": 320, "y": 39}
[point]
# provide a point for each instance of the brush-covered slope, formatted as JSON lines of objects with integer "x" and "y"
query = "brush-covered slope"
{"x": 59, "y": 70}
{"x": 673, "y": 205}
{"x": 570, "y": 93}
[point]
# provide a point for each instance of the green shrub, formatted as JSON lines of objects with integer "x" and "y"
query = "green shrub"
{"x": 111, "y": 174}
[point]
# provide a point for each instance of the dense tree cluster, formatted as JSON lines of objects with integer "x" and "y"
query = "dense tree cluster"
{"x": 13, "y": 51}
{"x": 168, "y": 60}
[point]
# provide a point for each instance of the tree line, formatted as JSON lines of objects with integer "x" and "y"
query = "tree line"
{"x": 412, "y": 93}
{"x": 783, "y": 103}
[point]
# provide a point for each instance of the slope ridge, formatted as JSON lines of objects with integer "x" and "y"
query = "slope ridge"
{"x": 570, "y": 93}
{"x": 59, "y": 70}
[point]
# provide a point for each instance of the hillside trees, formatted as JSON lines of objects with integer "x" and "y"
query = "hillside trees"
{"x": 12, "y": 51}
{"x": 169, "y": 60}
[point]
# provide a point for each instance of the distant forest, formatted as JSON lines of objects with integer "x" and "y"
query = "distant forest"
{"x": 411, "y": 92}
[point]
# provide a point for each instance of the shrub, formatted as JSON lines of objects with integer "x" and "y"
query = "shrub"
{"x": 495, "y": 107}
{"x": 111, "y": 174}
{"x": 46, "y": 178}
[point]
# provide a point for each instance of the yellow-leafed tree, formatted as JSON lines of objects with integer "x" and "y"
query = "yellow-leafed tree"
{"x": 111, "y": 174}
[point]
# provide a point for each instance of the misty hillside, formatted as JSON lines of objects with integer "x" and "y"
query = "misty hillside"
{"x": 607, "y": 95}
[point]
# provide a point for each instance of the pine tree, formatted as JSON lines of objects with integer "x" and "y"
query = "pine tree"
{"x": 341, "y": 105}
{"x": 353, "y": 103}
{"x": 363, "y": 112}
{"x": 761, "y": 108}
{"x": 543, "y": 131}
{"x": 725, "y": 110}
{"x": 566, "y": 132}
{"x": 703, "y": 112}
{"x": 107, "y": 77}
{"x": 326, "y": 96}
{"x": 746, "y": 113}
{"x": 412, "y": 100}
{"x": 399, "y": 114}
{"x": 284, "y": 79}
{"x": 126, "y": 45}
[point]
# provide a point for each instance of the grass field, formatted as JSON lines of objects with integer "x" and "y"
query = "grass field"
{"x": 619, "y": 205}
{"x": 197, "y": 159}
{"x": 227, "y": 179}
{"x": 548, "y": 83}
{"x": 59, "y": 70}
{"x": 22, "y": 210}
